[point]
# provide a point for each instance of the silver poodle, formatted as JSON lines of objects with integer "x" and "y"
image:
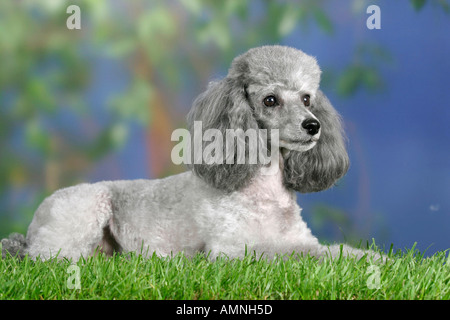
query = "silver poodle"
{"x": 217, "y": 208}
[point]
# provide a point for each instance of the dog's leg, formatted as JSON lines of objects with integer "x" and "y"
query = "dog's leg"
{"x": 70, "y": 223}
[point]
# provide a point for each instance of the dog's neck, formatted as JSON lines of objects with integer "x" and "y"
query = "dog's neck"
{"x": 268, "y": 185}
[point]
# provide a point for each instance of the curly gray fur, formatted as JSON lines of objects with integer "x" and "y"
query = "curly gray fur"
{"x": 226, "y": 105}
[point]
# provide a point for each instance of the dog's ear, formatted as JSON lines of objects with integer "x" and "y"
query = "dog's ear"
{"x": 320, "y": 167}
{"x": 224, "y": 105}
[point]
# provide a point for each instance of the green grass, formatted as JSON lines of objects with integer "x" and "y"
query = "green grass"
{"x": 407, "y": 275}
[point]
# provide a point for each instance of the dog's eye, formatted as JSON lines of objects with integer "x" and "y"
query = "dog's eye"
{"x": 270, "y": 101}
{"x": 305, "y": 100}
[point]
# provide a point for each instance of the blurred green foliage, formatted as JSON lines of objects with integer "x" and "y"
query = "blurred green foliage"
{"x": 46, "y": 70}
{"x": 363, "y": 71}
{"x": 419, "y": 4}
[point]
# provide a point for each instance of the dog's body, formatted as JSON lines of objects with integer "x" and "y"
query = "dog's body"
{"x": 178, "y": 213}
{"x": 139, "y": 216}
{"x": 216, "y": 208}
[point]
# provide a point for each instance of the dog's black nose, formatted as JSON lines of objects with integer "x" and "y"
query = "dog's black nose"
{"x": 311, "y": 126}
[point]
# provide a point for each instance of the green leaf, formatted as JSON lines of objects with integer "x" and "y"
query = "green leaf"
{"x": 288, "y": 22}
{"x": 349, "y": 81}
{"x": 357, "y": 76}
{"x": 217, "y": 32}
{"x": 232, "y": 7}
{"x": 445, "y": 6}
{"x": 134, "y": 104}
{"x": 157, "y": 22}
{"x": 36, "y": 136}
{"x": 38, "y": 92}
{"x": 122, "y": 47}
{"x": 118, "y": 135}
{"x": 418, "y": 4}
{"x": 193, "y": 6}
{"x": 371, "y": 79}
{"x": 322, "y": 20}
{"x": 112, "y": 137}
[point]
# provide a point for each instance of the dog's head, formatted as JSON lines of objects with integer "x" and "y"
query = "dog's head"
{"x": 274, "y": 87}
